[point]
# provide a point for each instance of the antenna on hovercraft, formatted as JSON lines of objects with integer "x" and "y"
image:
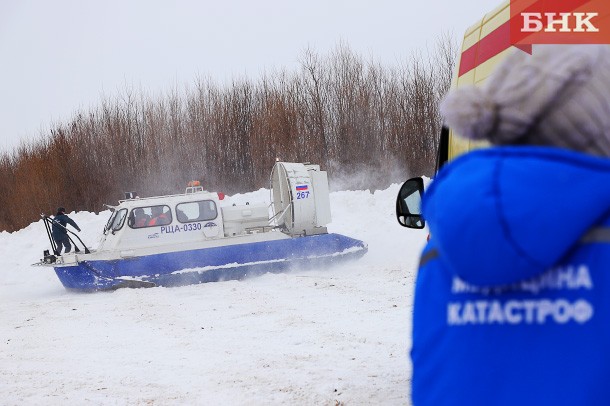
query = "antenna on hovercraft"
{"x": 112, "y": 208}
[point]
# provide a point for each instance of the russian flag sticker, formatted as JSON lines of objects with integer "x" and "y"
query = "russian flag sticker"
{"x": 301, "y": 188}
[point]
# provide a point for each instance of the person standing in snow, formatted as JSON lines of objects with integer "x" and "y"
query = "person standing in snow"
{"x": 59, "y": 231}
{"x": 512, "y": 298}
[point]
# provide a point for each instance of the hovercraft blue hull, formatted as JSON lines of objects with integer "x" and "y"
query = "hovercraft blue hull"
{"x": 210, "y": 264}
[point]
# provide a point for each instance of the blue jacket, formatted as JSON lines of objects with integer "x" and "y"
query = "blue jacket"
{"x": 512, "y": 299}
{"x": 60, "y": 233}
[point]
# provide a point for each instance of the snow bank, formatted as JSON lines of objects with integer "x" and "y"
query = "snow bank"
{"x": 309, "y": 337}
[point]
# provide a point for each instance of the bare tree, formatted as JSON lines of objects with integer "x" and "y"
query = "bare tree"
{"x": 346, "y": 113}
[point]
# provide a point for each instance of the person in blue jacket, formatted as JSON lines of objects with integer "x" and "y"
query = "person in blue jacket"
{"x": 59, "y": 231}
{"x": 512, "y": 298}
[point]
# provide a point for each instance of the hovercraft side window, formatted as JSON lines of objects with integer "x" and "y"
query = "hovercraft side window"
{"x": 203, "y": 210}
{"x": 150, "y": 216}
{"x": 119, "y": 220}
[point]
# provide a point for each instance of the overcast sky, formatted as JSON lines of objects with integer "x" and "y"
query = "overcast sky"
{"x": 60, "y": 56}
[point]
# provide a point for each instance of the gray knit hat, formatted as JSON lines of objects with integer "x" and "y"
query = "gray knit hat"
{"x": 559, "y": 96}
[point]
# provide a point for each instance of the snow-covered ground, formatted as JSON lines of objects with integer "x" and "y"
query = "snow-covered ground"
{"x": 324, "y": 337}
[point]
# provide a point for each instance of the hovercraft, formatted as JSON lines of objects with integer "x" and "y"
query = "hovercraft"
{"x": 192, "y": 238}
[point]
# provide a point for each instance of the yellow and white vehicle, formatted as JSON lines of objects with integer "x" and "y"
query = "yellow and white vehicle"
{"x": 485, "y": 44}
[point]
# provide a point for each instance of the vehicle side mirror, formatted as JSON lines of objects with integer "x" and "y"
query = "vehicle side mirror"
{"x": 408, "y": 204}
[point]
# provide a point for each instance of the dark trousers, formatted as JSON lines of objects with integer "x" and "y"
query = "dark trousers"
{"x": 65, "y": 242}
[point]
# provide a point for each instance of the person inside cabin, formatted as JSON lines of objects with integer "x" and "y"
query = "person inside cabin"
{"x": 159, "y": 217}
{"x": 60, "y": 232}
{"x": 511, "y": 297}
{"x": 140, "y": 218}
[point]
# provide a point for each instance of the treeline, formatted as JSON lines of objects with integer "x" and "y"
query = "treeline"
{"x": 350, "y": 115}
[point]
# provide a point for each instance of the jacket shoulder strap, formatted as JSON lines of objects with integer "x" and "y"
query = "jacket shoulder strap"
{"x": 596, "y": 235}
